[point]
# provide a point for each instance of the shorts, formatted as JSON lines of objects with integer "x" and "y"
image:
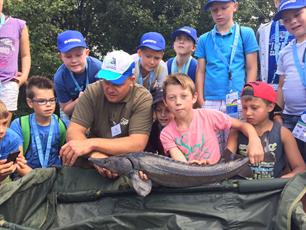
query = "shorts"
{"x": 9, "y": 94}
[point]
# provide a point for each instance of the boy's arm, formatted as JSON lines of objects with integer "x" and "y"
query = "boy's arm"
{"x": 255, "y": 149}
{"x": 25, "y": 56}
{"x": 176, "y": 154}
{"x": 6, "y": 169}
{"x": 292, "y": 152}
{"x": 251, "y": 67}
{"x": 232, "y": 141}
{"x": 78, "y": 145}
{"x": 68, "y": 106}
{"x": 200, "y": 80}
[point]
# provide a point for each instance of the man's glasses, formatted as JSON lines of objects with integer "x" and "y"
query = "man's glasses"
{"x": 52, "y": 101}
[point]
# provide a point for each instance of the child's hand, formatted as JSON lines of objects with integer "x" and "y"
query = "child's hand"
{"x": 255, "y": 151}
{"x": 199, "y": 162}
{"x": 22, "y": 167}
{"x": 6, "y": 168}
{"x": 143, "y": 176}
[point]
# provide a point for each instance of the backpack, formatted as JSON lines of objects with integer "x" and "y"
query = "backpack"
{"x": 191, "y": 70}
{"x": 24, "y": 122}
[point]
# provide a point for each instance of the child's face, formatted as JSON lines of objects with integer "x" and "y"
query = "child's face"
{"x": 43, "y": 103}
{"x": 295, "y": 22}
{"x": 179, "y": 101}
{"x": 163, "y": 115}
{"x": 75, "y": 59}
{"x": 3, "y": 126}
{"x": 222, "y": 13}
{"x": 150, "y": 59}
{"x": 183, "y": 45}
{"x": 256, "y": 111}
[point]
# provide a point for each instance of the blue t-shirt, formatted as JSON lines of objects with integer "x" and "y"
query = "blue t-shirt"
{"x": 32, "y": 154}
{"x": 9, "y": 143}
{"x": 191, "y": 72}
{"x": 65, "y": 87}
{"x": 216, "y": 72}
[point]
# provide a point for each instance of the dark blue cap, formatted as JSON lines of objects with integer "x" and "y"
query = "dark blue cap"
{"x": 189, "y": 31}
{"x": 152, "y": 40}
{"x": 209, "y": 2}
{"x": 288, "y": 5}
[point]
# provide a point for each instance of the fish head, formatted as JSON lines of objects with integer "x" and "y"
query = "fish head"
{"x": 118, "y": 164}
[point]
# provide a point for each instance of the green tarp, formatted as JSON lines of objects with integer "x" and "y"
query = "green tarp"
{"x": 74, "y": 198}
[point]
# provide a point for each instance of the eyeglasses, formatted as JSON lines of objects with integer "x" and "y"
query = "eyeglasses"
{"x": 52, "y": 101}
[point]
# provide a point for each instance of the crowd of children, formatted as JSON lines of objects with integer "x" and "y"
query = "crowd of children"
{"x": 222, "y": 81}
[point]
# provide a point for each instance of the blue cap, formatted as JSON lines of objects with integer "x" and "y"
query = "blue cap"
{"x": 153, "y": 40}
{"x": 209, "y": 2}
{"x": 117, "y": 66}
{"x": 189, "y": 31}
{"x": 288, "y": 5}
{"x": 70, "y": 39}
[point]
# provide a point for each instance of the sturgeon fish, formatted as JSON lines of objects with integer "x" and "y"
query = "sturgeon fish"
{"x": 166, "y": 171}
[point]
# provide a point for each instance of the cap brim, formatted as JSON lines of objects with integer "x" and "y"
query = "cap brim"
{"x": 113, "y": 77}
{"x": 178, "y": 32}
{"x": 156, "y": 48}
{"x": 278, "y": 15}
{"x": 69, "y": 47}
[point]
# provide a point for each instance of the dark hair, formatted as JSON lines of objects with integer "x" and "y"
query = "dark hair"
{"x": 4, "y": 113}
{"x": 39, "y": 82}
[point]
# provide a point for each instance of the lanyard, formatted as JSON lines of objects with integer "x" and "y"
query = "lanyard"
{"x": 184, "y": 69}
{"x": 37, "y": 141}
{"x": 2, "y": 20}
{"x": 140, "y": 78}
{"x": 301, "y": 69}
{"x": 234, "y": 47}
{"x": 277, "y": 46}
{"x": 75, "y": 81}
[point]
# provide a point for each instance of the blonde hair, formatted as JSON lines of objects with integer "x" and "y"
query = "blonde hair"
{"x": 4, "y": 113}
{"x": 179, "y": 79}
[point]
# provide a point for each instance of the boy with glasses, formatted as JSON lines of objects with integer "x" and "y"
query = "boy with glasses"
{"x": 44, "y": 126}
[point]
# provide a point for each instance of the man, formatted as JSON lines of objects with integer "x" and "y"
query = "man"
{"x": 116, "y": 110}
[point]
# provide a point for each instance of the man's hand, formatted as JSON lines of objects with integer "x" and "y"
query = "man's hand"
{"x": 103, "y": 171}
{"x": 255, "y": 151}
{"x": 74, "y": 149}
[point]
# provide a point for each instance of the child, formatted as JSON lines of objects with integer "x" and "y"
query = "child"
{"x": 163, "y": 117}
{"x": 184, "y": 41}
{"x": 272, "y": 38}
{"x": 77, "y": 71}
{"x": 191, "y": 135}
{"x": 291, "y": 68}
{"x": 258, "y": 100}
{"x": 227, "y": 57}
{"x": 9, "y": 143}
{"x": 14, "y": 36}
{"x": 45, "y": 140}
{"x": 150, "y": 69}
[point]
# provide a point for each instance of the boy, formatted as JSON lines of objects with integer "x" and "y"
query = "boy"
{"x": 9, "y": 143}
{"x": 162, "y": 118}
{"x": 45, "y": 140}
{"x": 258, "y": 100}
{"x": 291, "y": 68}
{"x": 191, "y": 135}
{"x": 150, "y": 69}
{"x": 184, "y": 41}
{"x": 226, "y": 57}
{"x": 272, "y": 38}
{"x": 77, "y": 71}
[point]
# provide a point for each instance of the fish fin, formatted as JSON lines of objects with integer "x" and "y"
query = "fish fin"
{"x": 142, "y": 187}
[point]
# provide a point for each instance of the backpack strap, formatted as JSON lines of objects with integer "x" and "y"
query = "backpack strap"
{"x": 169, "y": 64}
{"x": 62, "y": 129}
{"x": 243, "y": 46}
{"x": 192, "y": 69}
{"x": 26, "y": 134}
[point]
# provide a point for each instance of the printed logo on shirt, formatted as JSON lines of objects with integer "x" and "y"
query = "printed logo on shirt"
{"x": 194, "y": 152}
{"x": 6, "y": 50}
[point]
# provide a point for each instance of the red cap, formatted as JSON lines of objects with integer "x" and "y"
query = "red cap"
{"x": 261, "y": 90}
